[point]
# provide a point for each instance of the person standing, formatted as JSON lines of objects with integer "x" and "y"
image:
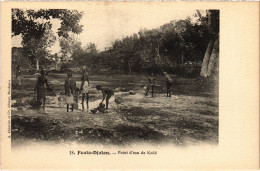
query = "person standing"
{"x": 84, "y": 88}
{"x": 40, "y": 88}
{"x": 76, "y": 96}
{"x": 151, "y": 84}
{"x": 169, "y": 82}
{"x": 69, "y": 87}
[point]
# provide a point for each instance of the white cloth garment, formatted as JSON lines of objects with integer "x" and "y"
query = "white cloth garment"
{"x": 85, "y": 87}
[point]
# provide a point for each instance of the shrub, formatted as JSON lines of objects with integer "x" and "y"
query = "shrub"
{"x": 65, "y": 67}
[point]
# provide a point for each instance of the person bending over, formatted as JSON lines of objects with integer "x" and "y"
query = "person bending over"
{"x": 107, "y": 93}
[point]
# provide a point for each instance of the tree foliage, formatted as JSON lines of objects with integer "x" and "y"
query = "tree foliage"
{"x": 38, "y": 49}
{"x": 68, "y": 46}
{"x": 34, "y": 23}
{"x": 35, "y": 28}
{"x": 86, "y": 56}
{"x": 167, "y": 47}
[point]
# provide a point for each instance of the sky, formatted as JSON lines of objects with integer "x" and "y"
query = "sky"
{"x": 104, "y": 24}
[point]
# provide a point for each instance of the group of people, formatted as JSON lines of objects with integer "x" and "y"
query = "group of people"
{"x": 72, "y": 92}
{"x": 151, "y": 84}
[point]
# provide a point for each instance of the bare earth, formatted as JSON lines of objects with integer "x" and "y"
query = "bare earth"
{"x": 190, "y": 116}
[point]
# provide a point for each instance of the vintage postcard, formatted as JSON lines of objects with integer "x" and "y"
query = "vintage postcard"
{"x": 129, "y": 85}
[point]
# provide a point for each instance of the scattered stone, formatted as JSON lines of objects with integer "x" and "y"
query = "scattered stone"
{"x": 118, "y": 100}
{"x": 93, "y": 110}
{"x": 131, "y": 92}
{"x": 117, "y": 89}
{"x": 124, "y": 89}
{"x": 35, "y": 104}
{"x": 101, "y": 109}
{"x": 101, "y": 105}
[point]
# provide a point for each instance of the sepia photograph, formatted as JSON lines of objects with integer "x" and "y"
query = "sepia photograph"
{"x": 122, "y": 79}
{"x": 129, "y": 85}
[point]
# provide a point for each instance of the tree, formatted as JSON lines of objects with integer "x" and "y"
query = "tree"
{"x": 37, "y": 49}
{"x": 168, "y": 47}
{"x": 127, "y": 52}
{"x": 91, "y": 49}
{"x": 86, "y": 56}
{"x": 68, "y": 46}
{"x": 33, "y": 25}
{"x": 35, "y": 22}
{"x": 56, "y": 58}
{"x": 210, "y": 60}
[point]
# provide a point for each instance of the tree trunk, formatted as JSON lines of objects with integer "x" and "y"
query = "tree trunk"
{"x": 37, "y": 64}
{"x": 213, "y": 57}
{"x": 57, "y": 61}
{"x": 182, "y": 57}
{"x": 129, "y": 68}
{"x": 158, "y": 52}
{"x": 204, "y": 68}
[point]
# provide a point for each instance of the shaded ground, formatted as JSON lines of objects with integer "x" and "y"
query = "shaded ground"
{"x": 189, "y": 116}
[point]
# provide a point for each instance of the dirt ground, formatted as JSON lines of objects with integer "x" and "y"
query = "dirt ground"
{"x": 190, "y": 116}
